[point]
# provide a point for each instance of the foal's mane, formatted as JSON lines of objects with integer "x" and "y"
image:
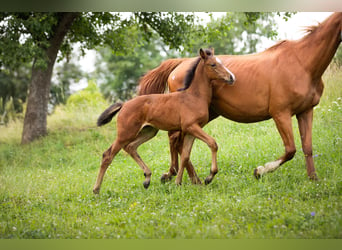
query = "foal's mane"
{"x": 190, "y": 74}
{"x": 191, "y": 71}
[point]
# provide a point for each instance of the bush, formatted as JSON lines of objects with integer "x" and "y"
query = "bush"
{"x": 90, "y": 97}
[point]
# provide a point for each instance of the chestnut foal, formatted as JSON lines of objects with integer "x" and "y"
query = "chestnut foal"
{"x": 140, "y": 119}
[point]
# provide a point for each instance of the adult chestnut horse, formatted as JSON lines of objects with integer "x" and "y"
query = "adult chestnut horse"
{"x": 188, "y": 110}
{"x": 280, "y": 82}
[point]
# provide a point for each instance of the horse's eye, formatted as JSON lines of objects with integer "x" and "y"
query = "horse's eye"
{"x": 213, "y": 65}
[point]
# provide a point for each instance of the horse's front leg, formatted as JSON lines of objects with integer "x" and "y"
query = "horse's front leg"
{"x": 305, "y": 129}
{"x": 284, "y": 126}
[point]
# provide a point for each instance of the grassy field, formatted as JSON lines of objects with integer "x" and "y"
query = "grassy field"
{"x": 46, "y": 187}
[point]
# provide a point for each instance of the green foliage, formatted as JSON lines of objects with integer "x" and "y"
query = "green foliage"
{"x": 7, "y": 110}
{"x": 65, "y": 74}
{"x": 14, "y": 84}
{"x": 119, "y": 74}
{"x": 338, "y": 57}
{"x": 90, "y": 96}
{"x": 46, "y": 187}
{"x": 235, "y": 33}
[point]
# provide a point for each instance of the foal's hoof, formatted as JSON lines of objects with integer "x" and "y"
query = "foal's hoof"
{"x": 146, "y": 184}
{"x": 196, "y": 181}
{"x": 178, "y": 184}
{"x": 165, "y": 178}
{"x": 207, "y": 180}
{"x": 96, "y": 190}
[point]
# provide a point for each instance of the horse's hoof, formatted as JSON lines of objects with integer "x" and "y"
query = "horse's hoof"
{"x": 256, "y": 174}
{"x": 146, "y": 184}
{"x": 313, "y": 177}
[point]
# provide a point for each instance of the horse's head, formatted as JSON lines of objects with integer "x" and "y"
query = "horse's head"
{"x": 214, "y": 67}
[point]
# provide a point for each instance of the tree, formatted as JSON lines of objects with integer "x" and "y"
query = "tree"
{"x": 40, "y": 37}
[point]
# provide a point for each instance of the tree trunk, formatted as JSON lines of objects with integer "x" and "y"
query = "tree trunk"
{"x": 35, "y": 124}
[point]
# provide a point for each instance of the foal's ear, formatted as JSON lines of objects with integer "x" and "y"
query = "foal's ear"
{"x": 203, "y": 54}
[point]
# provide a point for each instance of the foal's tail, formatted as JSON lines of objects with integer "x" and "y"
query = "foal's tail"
{"x": 154, "y": 81}
{"x": 108, "y": 114}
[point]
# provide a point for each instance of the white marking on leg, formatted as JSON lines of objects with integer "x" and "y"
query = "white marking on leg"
{"x": 269, "y": 167}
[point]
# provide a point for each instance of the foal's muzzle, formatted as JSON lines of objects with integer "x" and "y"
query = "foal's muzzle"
{"x": 231, "y": 80}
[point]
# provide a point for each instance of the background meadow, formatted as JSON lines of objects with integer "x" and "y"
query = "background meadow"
{"x": 46, "y": 186}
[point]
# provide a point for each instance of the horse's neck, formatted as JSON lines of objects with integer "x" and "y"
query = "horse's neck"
{"x": 200, "y": 86}
{"x": 317, "y": 49}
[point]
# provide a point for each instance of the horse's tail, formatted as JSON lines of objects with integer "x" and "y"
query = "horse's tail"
{"x": 154, "y": 81}
{"x": 108, "y": 114}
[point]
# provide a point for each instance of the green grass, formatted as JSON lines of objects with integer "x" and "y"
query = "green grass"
{"x": 46, "y": 187}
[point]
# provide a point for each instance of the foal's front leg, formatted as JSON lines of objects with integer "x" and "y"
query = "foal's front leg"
{"x": 176, "y": 144}
{"x": 199, "y": 133}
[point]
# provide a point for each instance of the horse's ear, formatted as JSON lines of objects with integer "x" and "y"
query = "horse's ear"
{"x": 203, "y": 54}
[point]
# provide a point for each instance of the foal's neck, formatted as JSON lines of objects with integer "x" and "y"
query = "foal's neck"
{"x": 200, "y": 86}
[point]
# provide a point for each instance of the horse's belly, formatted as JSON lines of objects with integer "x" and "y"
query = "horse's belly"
{"x": 241, "y": 115}
{"x": 241, "y": 105}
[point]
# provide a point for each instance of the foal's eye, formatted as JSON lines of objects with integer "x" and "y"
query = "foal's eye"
{"x": 213, "y": 65}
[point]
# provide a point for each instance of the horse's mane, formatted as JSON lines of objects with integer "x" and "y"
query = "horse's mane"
{"x": 277, "y": 45}
{"x": 307, "y": 30}
{"x": 310, "y": 29}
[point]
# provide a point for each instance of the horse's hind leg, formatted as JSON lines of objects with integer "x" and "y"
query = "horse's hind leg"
{"x": 144, "y": 135}
{"x": 305, "y": 130}
{"x": 284, "y": 126}
{"x": 107, "y": 158}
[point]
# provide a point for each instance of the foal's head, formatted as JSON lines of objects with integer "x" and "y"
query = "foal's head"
{"x": 214, "y": 68}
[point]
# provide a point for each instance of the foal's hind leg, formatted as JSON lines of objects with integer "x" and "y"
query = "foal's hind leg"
{"x": 144, "y": 135}
{"x": 176, "y": 140}
{"x": 185, "y": 156}
{"x": 107, "y": 158}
